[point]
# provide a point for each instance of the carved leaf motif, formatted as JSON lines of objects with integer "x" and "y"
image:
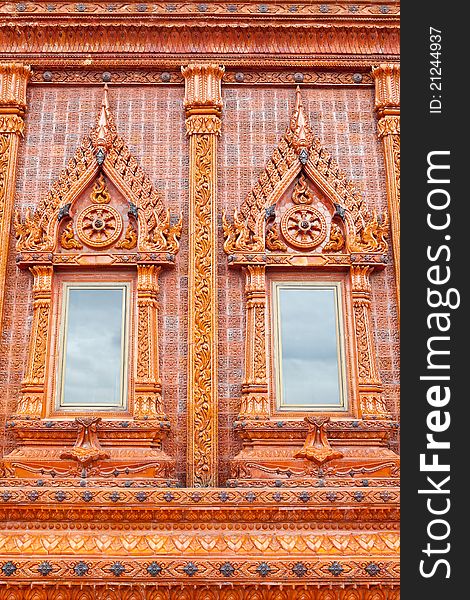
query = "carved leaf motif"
{"x": 130, "y": 238}
{"x": 336, "y": 241}
{"x": 203, "y": 265}
{"x": 68, "y": 240}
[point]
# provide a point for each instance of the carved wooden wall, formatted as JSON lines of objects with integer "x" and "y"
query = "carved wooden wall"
{"x": 276, "y": 507}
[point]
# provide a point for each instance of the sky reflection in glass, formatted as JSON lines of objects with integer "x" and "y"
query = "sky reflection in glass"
{"x": 309, "y": 347}
{"x": 94, "y": 347}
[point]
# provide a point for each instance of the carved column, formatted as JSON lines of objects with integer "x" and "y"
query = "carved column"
{"x": 371, "y": 401}
{"x": 255, "y": 403}
{"x": 203, "y": 105}
{"x": 31, "y": 403}
{"x": 13, "y": 80}
{"x": 148, "y": 387}
{"x": 387, "y": 106}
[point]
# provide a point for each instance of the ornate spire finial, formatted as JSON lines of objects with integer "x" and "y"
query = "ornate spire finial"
{"x": 103, "y": 133}
{"x": 303, "y": 135}
{"x": 102, "y": 126}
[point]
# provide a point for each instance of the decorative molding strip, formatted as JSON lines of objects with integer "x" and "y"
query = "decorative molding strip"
{"x": 319, "y": 8}
{"x": 327, "y": 43}
{"x": 298, "y": 590}
{"x": 74, "y": 75}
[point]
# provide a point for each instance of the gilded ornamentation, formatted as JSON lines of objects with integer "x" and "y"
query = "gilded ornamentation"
{"x": 87, "y": 448}
{"x": 67, "y": 239}
{"x": 99, "y": 225}
{"x": 30, "y": 406}
{"x": 317, "y": 447}
{"x": 303, "y": 227}
{"x": 255, "y": 386}
{"x": 4, "y": 160}
{"x": 11, "y": 124}
{"x": 148, "y": 399}
{"x": 130, "y": 239}
{"x": 388, "y": 126}
{"x": 149, "y": 406}
{"x": 201, "y": 365}
{"x": 336, "y": 241}
{"x": 194, "y": 592}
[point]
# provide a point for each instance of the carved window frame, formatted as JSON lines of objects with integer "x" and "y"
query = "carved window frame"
{"x": 354, "y": 243}
{"x": 102, "y": 156}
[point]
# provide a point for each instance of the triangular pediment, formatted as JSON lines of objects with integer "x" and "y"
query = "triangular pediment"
{"x": 299, "y": 159}
{"x": 102, "y": 152}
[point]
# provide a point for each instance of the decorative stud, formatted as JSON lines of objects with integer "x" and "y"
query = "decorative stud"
{"x": 190, "y": 569}
{"x": 264, "y": 569}
{"x": 335, "y": 569}
{"x": 299, "y": 569}
{"x": 9, "y": 568}
{"x": 372, "y": 569}
{"x": 45, "y": 568}
{"x": 81, "y": 569}
{"x": 117, "y": 569}
{"x": 154, "y": 569}
{"x": 227, "y": 569}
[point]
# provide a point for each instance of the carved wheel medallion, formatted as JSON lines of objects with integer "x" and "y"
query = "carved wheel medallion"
{"x": 303, "y": 227}
{"x": 99, "y": 225}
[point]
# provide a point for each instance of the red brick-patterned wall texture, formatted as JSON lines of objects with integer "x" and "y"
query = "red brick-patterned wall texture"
{"x": 151, "y": 120}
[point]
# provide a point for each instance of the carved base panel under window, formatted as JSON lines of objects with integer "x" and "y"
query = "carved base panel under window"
{"x": 294, "y": 453}
{"x": 90, "y": 448}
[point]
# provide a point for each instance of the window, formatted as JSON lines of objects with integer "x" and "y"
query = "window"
{"x": 309, "y": 350}
{"x": 93, "y": 365}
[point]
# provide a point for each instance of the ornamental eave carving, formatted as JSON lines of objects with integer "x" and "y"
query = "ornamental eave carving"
{"x": 353, "y": 40}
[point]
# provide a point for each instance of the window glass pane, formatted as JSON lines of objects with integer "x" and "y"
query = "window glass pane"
{"x": 93, "y": 369}
{"x": 309, "y": 349}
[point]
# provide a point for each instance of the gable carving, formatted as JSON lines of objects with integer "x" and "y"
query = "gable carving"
{"x": 103, "y": 155}
{"x": 301, "y": 161}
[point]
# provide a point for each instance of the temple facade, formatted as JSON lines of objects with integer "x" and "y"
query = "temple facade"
{"x": 199, "y": 300}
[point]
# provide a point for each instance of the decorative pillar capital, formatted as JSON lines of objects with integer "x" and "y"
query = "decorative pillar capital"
{"x": 14, "y": 78}
{"x": 203, "y": 89}
{"x": 387, "y": 89}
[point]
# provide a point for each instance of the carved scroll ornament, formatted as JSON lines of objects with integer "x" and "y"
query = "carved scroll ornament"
{"x": 317, "y": 447}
